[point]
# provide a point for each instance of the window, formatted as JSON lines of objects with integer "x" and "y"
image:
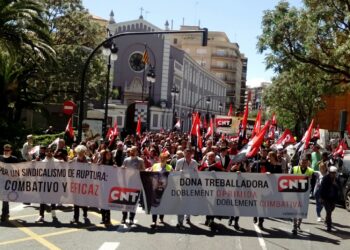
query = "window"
{"x": 175, "y": 40}
{"x": 201, "y": 51}
{"x": 119, "y": 121}
{"x": 155, "y": 121}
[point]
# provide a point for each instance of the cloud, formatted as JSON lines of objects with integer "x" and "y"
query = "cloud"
{"x": 256, "y": 82}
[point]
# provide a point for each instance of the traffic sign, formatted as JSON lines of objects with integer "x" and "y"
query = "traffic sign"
{"x": 69, "y": 107}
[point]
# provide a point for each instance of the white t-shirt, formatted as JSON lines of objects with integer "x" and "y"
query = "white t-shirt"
{"x": 183, "y": 165}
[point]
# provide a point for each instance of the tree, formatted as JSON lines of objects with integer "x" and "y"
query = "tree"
{"x": 24, "y": 42}
{"x": 316, "y": 34}
{"x": 74, "y": 36}
{"x": 23, "y": 29}
{"x": 296, "y": 96}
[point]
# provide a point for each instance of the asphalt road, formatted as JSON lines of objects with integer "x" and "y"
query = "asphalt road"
{"x": 21, "y": 232}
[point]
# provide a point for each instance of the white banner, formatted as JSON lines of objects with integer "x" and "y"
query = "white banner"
{"x": 227, "y": 194}
{"x": 82, "y": 184}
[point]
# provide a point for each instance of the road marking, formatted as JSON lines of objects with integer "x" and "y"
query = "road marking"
{"x": 35, "y": 236}
{"x": 260, "y": 238}
{"x": 109, "y": 246}
{"x": 15, "y": 241}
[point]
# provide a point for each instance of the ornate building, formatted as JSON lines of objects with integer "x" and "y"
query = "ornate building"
{"x": 173, "y": 68}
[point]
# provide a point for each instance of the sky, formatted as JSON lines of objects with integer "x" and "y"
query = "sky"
{"x": 239, "y": 19}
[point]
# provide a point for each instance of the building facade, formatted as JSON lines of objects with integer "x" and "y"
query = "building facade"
{"x": 154, "y": 102}
{"x": 221, "y": 57}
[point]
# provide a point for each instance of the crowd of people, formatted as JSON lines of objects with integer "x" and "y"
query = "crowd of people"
{"x": 173, "y": 151}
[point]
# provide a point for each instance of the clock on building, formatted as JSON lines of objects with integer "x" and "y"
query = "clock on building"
{"x": 135, "y": 62}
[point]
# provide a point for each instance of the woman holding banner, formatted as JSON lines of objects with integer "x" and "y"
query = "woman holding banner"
{"x": 81, "y": 157}
{"x": 106, "y": 158}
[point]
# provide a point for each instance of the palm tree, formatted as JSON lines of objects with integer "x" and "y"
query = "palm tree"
{"x": 23, "y": 28}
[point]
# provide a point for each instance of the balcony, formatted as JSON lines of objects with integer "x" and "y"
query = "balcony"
{"x": 223, "y": 67}
{"x": 223, "y": 56}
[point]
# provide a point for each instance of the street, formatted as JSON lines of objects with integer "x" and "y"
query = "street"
{"x": 22, "y": 232}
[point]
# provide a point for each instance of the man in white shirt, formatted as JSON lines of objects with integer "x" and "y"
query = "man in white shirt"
{"x": 186, "y": 164}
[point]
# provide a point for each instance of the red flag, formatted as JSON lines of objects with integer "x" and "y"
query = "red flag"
{"x": 109, "y": 134}
{"x": 138, "y": 127}
{"x": 340, "y": 150}
{"x": 210, "y": 129}
{"x": 273, "y": 120}
{"x": 307, "y": 135}
{"x": 317, "y": 132}
{"x": 230, "y": 111}
{"x": 196, "y": 121}
{"x": 69, "y": 128}
{"x": 245, "y": 118}
{"x": 199, "y": 137}
{"x": 271, "y": 134}
{"x": 257, "y": 124}
{"x": 257, "y": 141}
{"x": 286, "y": 137}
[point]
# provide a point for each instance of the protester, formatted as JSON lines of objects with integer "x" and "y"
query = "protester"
{"x": 7, "y": 157}
{"x": 134, "y": 162}
{"x": 49, "y": 159}
{"x": 319, "y": 177}
{"x": 329, "y": 193}
{"x": 186, "y": 164}
{"x": 261, "y": 166}
{"x": 81, "y": 157}
{"x": 211, "y": 165}
{"x": 160, "y": 167}
{"x": 106, "y": 159}
{"x": 27, "y": 147}
{"x": 61, "y": 151}
{"x": 303, "y": 168}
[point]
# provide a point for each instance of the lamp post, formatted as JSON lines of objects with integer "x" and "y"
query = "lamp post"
{"x": 220, "y": 107}
{"x": 109, "y": 49}
{"x": 174, "y": 94}
{"x": 151, "y": 79}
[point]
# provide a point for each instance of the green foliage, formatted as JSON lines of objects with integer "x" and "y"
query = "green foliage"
{"x": 308, "y": 48}
{"x": 46, "y": 139}
{"x": 316, "y": 34}
{"x": 43, "y": 47}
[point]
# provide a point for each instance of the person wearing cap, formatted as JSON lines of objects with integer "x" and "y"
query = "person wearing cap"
{"x": 27, "y": 146}
{"x": 302, "y": 168}
{"x": 137, "y": 163}
{"x": 7, "y": 157}
{"x": 81, "y": 157}
{"x": 186, "y": 164}
{"x": 329, "y": 193}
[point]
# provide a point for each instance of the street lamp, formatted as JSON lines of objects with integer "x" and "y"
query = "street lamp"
{"x": 220, "y": 107}
{"x": 108, "y": 49}
{"x": 174, "y": 93}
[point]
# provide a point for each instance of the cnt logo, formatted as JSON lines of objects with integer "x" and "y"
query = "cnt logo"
{"x": 298, "y": 184}
{"x": 124, "y": 196}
